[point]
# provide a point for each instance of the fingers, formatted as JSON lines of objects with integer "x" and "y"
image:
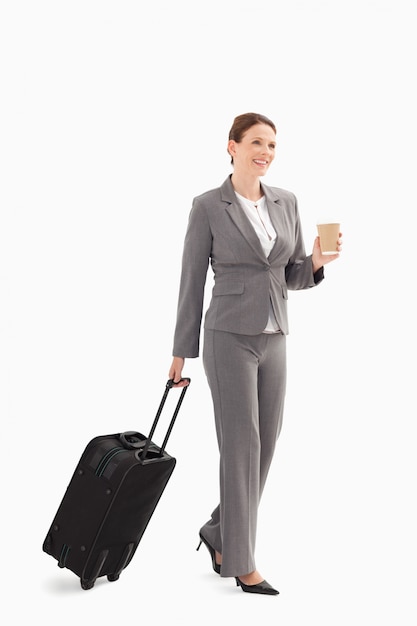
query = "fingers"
{"x": 175, "y": 373}
{"x": 178, "y": 380}
{"x": 320, "y": 259}
{"x": 182, "y": 382}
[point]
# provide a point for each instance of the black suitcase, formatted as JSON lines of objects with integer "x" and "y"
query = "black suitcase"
{"x": 110, "y": 500}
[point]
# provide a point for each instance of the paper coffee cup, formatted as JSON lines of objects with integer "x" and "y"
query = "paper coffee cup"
{"x": 329, "y": 234}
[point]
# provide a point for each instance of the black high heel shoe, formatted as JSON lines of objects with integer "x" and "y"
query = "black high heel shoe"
{"x": 212, "y": 552}
{"x": 262, "y": 587}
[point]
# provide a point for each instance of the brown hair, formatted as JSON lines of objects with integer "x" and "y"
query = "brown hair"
{"x": 243, "y": 122}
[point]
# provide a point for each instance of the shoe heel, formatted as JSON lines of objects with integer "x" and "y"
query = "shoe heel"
{"x": 199, "y": 545}
{"x": 212, "y": 552}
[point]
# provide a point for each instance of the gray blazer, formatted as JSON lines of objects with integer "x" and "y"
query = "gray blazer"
{"x": 245, "y": 280}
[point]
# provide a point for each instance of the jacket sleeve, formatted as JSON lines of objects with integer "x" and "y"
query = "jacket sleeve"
{"x": 195, "y": 260}
{"x": 299, "y": 269}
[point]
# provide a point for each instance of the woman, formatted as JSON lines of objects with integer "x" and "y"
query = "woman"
{"x": 251, "y": 235}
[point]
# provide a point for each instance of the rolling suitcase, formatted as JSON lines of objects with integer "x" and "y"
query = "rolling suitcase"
{"x": 110, "y": 500}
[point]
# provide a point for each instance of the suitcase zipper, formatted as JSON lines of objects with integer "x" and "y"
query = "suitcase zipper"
{"x": 101, "y": 467}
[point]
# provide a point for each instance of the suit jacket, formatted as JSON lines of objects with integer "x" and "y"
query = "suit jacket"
{"x": 245, "y": 280}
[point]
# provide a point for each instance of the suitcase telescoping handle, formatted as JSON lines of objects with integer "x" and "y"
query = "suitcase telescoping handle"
{"x": 168, "y": 387}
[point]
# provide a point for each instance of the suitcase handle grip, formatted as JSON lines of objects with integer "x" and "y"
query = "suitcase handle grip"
{"x": 168, "y": 387}
{"x": 132, "y": 440}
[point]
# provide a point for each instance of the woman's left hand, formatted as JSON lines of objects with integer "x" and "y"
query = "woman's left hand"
{"x": 320, "y": 259}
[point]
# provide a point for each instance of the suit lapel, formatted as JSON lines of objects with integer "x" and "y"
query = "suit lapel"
{"x": 239, "y": 218}
{"x": 274, "y": 206}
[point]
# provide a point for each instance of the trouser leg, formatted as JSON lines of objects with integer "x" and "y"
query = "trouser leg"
{"x": 246, "y": 376}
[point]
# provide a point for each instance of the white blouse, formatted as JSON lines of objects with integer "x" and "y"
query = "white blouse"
{"x": 257, "y": 213}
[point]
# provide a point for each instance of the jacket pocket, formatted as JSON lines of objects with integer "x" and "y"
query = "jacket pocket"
{"x": 228, "y": 287}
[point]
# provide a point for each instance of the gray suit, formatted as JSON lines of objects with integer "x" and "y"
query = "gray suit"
{"x": 246, "y": 368}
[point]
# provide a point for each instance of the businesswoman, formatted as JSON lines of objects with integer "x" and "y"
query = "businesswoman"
{"x": 251, "y": 235}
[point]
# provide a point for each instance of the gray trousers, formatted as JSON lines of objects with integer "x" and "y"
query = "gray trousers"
{"x": 247, "y": 379}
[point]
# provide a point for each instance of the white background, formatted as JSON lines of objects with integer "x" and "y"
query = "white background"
{"x": 113, "y": 116}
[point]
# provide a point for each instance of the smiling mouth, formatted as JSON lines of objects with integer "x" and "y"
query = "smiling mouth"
{"x": 258, "y": 162}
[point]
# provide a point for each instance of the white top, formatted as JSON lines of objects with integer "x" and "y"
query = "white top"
{"x": 257, "y": 213}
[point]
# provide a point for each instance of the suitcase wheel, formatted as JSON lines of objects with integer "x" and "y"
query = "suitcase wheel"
{"x": 113, "y": 577}
{"x": 87, "y": 584}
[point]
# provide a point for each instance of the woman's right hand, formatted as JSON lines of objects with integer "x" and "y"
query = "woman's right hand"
{"x": 175, "y": 372}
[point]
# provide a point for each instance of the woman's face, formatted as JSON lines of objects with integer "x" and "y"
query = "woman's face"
{"x": 253, "y": 155}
